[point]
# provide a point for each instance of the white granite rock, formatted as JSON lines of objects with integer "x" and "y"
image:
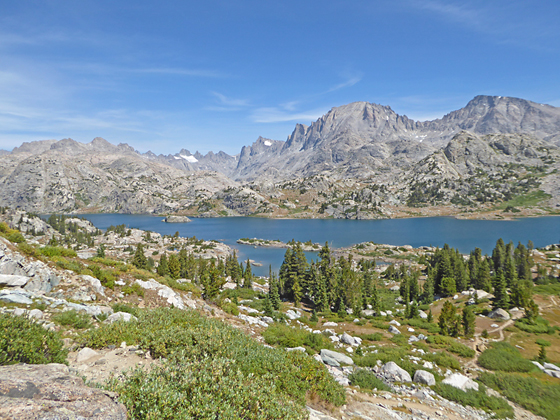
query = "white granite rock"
{"x": 460, "y": 382}
{"x": 424, "y": 377}
{"x": 85, "y": 354}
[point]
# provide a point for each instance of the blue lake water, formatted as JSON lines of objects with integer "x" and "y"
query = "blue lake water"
{"x": 436, "y": 231}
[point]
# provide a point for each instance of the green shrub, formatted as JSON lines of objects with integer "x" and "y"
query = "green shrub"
{"x": 134, "y": 288}
{"x": 537, "y": 396}
{"x": 230, "y": 308}
{"x": 119, "y": 265}
{"x": 285, "y": 336}
{"x": 377, "y": 323}
{"x": 186, "y": 336}
{"x": 476, "y": 399}
{"x": 539, "y": 326}
{"x": 23, "y": 341}
{"x": 400, "y": 340}
{"x": 450, "y": 344}
{"x": 74, "y": 319}
{"x": 504, "y": 357}
{"x": 366, "y": 379}
{"x": 28, "y": 249}
{"x": 372, "y": 337}
{"x": 106, "y": 277}
{"x": 184, "y": 287}
{"x": 443, "y": 360}
{"x": 57, "y": 251}
{"x": 121, "y": 307}
{"x": 388, "y": 354}
{"x": 203, "y": 389}
{"x": 65, "y": 264}
{"x": 430, "y": 327}
{"x": 542, "y": 342}
{"x": 16, "y": 237}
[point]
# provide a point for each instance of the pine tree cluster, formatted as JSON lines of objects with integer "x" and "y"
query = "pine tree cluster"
{"x": 328, "y": 284}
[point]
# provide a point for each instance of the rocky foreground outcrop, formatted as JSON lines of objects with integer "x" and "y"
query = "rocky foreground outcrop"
{"x": 52, "y": 392}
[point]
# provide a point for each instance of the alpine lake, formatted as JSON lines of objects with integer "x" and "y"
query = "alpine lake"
{"x": 464, "y": 235}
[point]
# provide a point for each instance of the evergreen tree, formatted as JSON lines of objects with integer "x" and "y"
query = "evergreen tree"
{"x": 499, "y": 255}
{"x": 233, "y": 268}
{"x": 523, "y": 262}
{"x": 501, "y": 299}
{"x": 404, "y": 289}
{"x": 473, "y": 264}
{"x": 267, "y": 306}
{"x": 375, "y": 304}
{"x": 183, "y": 257}
{"x": 212, "y": 282}
{"x": 413, "y": 311}
{"x": 297, "y": 291}
{"x": 328, "y": 276}
{"x": 314, "y": 317}
{"x": 293, "y": 272}
{"x": 322, "y": 297}
{"x": 273, "y": 292}
{"x": 468, "y": 322}
{"x": 414, "y": 286}
{"x": 248, "y": 275}
{"x": 460, "y": 272}
{"x": 542, "y": 354}
{"x": 448, "y": 287}
{"x": 510, "y": 271}
{"x": 139, "y": 260}
{"x": 367, "y": 287}
{"x": 162, "y": 268}
{"x": 430, "y": 318}
{"x": 484, "y": 280}
{"x": 532, "y": 311}
{"x": 101, "y": 251}
{"x": 428, "y": 289}
{"x": 522, "y": 294}
{"x": 221, "y": 267}
{"x": 341, "y": 309}
{"x": 174, "y": 266}
{"x": 449, "y": 321}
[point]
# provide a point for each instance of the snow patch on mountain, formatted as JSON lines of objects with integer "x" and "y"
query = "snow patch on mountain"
{"x": 190, "y": 159}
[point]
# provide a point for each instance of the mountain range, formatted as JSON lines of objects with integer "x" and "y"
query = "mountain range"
{"x": 466, "y": 158}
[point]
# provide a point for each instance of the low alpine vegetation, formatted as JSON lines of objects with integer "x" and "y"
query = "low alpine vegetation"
{"x": 202, "y": 350}
{"x": 23, "y": 341}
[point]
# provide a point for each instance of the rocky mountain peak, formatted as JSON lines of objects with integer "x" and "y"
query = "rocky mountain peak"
{"x": 502, "y": 114}
{"x": 34, "y": 147}
{"x": 102, "y": 145}
{"x": 68, "y": 146}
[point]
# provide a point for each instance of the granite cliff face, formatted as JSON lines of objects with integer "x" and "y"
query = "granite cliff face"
{"x": 401, "y": 162}
{"x": 359, "y": 139}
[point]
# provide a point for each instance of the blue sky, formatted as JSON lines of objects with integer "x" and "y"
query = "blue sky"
{"x": 215, "y": 75}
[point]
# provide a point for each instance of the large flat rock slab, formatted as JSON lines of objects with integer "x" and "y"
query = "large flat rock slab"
{"x": 9, "y": 280}
{"x": 52, "y": 392}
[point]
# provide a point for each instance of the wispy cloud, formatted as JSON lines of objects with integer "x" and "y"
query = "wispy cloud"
{"x": 227, "y": 104}
{"x": 291, "y": 110}
{"x": 457, "y": 12}
{"x": 348, "y": 83}
{"x": 227, "y": 101}
{"x": 178, "y": 72}
{"x": 513, "y": 23}
{"x": 290, "y": 106}
{"x": 275, "y": 115}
